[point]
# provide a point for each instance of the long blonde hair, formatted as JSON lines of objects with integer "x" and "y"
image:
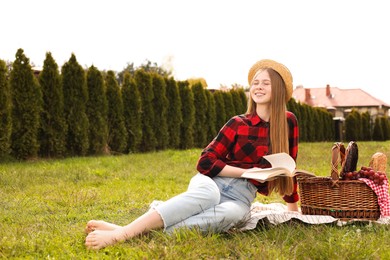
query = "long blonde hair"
{"x": 278, "y": 128}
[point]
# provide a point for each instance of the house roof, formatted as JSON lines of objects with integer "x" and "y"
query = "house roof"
{"x": 336, "y": 97}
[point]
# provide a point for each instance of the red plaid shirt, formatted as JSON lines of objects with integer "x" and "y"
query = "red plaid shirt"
{"x": 242, "y": 142}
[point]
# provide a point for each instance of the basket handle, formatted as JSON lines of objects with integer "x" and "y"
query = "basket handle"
{"x": 338, "y": 158}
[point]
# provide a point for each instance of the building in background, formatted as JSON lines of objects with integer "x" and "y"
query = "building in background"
{"x": 340, "y": 103}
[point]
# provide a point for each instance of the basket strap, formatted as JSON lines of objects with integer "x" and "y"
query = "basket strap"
{"x": 338, "y": 157}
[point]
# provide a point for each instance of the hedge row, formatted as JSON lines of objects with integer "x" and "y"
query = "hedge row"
{"x": 360, "y": 126}
{"x": 77, "y": 112}
{"x": 74, "y": 111}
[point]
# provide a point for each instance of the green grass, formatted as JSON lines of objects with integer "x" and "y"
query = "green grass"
{"x": 45, "y": 204}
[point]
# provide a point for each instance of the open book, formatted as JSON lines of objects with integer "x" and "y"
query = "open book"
{"x": 282, "y": 164}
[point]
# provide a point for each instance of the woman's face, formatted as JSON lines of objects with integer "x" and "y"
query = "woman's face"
{"x": 261, "y": 88}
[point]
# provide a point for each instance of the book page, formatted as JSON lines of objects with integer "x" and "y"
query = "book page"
{"x": 282, "y": 160}
{"x": 282, "y": 164}
{"x": 265, "y": 174}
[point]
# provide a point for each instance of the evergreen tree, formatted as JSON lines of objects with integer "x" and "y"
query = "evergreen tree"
{"x": 319, "y": 132}
{"x": 200, "y": 101}
{"x": 352, "y": 126}
{"x": 147, "y": 66}
{"x": 239, "y": 108}
{"x": 132, "y": 112}
{"x": 244, "y": 100}
{"x": 117, "y": 134}
{"x": 293, "y": 106}
{"x": 52, "y": 135}
{"x": 377, "y": 133}
{"x": 145, "y": 87}
{"x": 229, "y": 106}
{"x": 26, "y": 108}
{"x": 97, "y": 112}
{"x": 359, "y": 129}
{"x": 211, "y": 117}
{"x": 174, "y": 113}
{"x": 5, "y": 112}
{"x": 302, "y": 122}
{"x": 188, "y": 112}
{"x": 331, "y": 131}
{"x": 311, "y": 133}
{"x": 385, "y": 128}
{"x": 366, "y": 126}
{"x": 160, "y": 106}
{"x": 75, "y": 102}
{"x": 323, "y": 124}
{"x": 152, "y": 67}
{"x": 326, "y": 125}
{"x": 128, "y": 69}
{"x": 220, "y": 119}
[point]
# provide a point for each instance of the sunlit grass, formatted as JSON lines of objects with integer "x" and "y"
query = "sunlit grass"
{"x": 45, "y": 205}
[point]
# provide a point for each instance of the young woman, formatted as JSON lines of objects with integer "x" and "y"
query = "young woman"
{"x": 217, "y": 197}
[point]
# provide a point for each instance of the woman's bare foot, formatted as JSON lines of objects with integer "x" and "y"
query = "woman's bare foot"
{"x": 101, "y": 238}
{"x": 93, "y": 225}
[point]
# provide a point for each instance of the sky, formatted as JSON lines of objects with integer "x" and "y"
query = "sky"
{"x": 345, "y": 44}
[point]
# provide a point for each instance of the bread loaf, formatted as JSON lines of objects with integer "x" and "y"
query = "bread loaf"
{"x": 379, "y": 162}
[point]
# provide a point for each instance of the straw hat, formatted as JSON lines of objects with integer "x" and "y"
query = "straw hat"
{"x": 278, "y": 67}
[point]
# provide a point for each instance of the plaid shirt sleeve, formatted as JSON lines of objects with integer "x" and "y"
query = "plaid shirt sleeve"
{"x": 213, "y": 157}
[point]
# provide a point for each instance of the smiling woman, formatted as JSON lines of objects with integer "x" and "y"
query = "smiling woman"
{"x": 218, "y": 197}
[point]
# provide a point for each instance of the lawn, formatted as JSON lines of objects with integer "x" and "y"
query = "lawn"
{"x": 45, "y": 205}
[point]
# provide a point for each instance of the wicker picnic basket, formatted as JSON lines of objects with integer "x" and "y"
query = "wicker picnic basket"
{"x": 342, "y": 199}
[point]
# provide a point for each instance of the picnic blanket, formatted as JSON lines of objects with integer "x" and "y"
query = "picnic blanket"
{"x": 382, "y": 192}
{"x": 277, "y": 213}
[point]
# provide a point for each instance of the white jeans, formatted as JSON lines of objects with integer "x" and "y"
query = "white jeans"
{"x": 209, "y": 204}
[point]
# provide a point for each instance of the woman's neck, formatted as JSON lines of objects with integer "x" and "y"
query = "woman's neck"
{"x": 263, "y": 112}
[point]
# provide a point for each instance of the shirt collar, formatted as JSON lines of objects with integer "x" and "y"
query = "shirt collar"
{"x": 255, "y": 119}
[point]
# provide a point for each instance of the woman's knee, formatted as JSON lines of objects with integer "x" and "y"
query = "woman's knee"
{"x": 204, "y": 183}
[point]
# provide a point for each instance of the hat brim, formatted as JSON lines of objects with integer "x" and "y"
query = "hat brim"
{"x": 283, "y": 71}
